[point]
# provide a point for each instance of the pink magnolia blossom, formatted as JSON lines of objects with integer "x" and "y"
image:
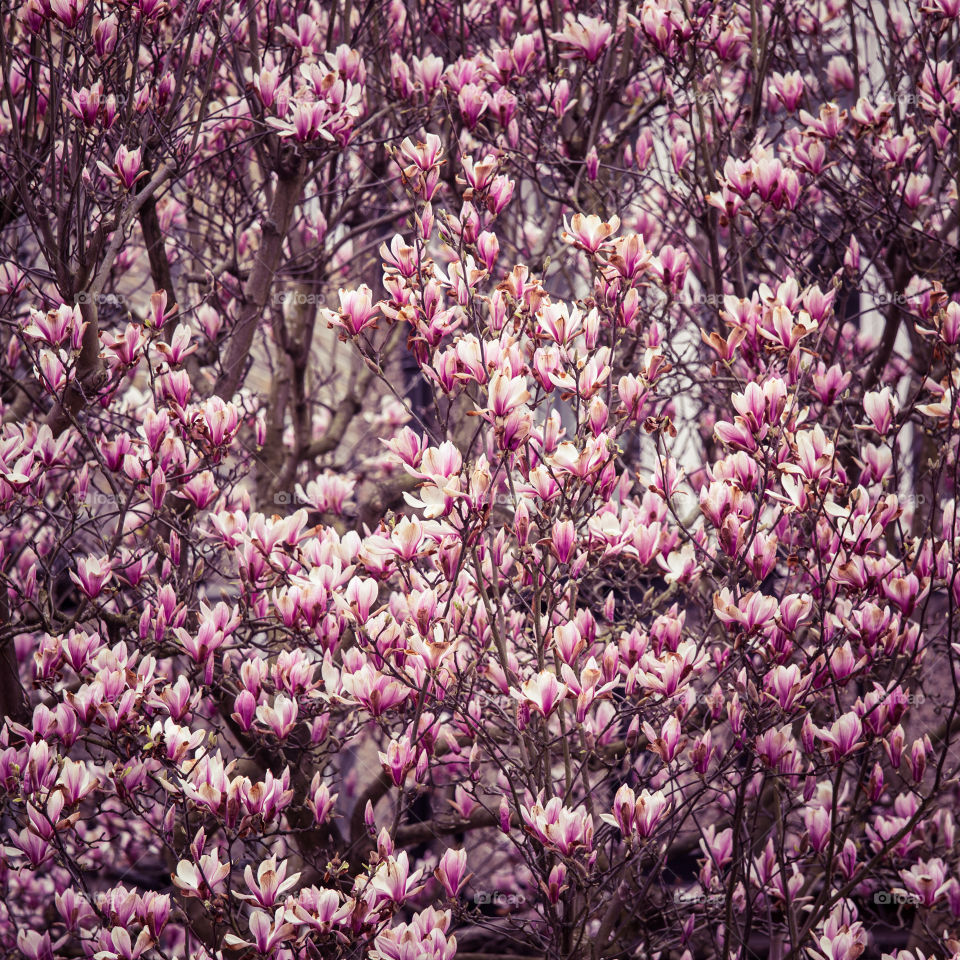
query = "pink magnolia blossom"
{"x": 617, "y": 481}
{"x": 543, "y": 692}
{"x": 584, "y": 36}
{"x": 92, "y": 575}
{"x": 842, "y": 737}
{"x": 452, "y": 871}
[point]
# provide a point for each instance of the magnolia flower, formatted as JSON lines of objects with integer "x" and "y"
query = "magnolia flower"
{"x": 433, "y": 649}
{"x": 435, "y": 500}
{"x": 121, "y": 947}
{"x": 34, "y": 945}
{"x": 789, "y": 89}
{"x": 473, "y": 101}
{"x": 505, "y": 394}
{"x": 201, "y": 489}
{"x": 271, "y": 881}
{"x": 320, "y": 800}
{"x": 452, "y": 872}
{"x": 203, "y": 879}
{"x": 841, "y": 945}
{"x": 829, "y": 123}
{"x": 669, "y": 742}
{"x": 680, "y": 565}
{"x": 393, "y": 880}
{"x": 927, "y": 880}
{"x": 558, "y": 826}
{"x": 126, "y": 167}
{"x": 641, "y": 815}
{"x": 399, "y": 759}
{"x": 881, "y": 406}
{"x": 589, "y": 232}
{"x": 281, "y": 718}
{"x": 407, "y": 537}
{"x": 68, "y": 12}
{"x": 376, "y": 691}
{"x": 786, "y": 684}
{"x": 543, "y": 692}
{"x": 268, "y": 933}
{"x": 92, "y": 575}
{"x": 55, "y": 326}
{"x": 357, "y": 311}
{"x": 583, "y": 37}
{"x": 842, "y": 737}
{"x": 328, "y": 493}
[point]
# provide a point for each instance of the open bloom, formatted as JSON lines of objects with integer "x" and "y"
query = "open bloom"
{"x": 641, "y": 815}
{"x": 200, "y": 489}
{"x": 583, "y": 37}
{"x": 927, "y": 880}
{"x": 669, "y": 742}
{"x": 843, "y": 736}
{"x": 506, "y": 394}
{"x": 543, "y": 692}
{"x": 357, "y": 310}
{"x": 270, "y": 883}
{"x": 589, "y": 232}
{"x": 394, "y": 881}
{"x": 126, "y": 167}
{"x": 92, "y": 575}
{"x": 281, "y": 718}
{"x": 203, "y": 879}
{"x": 267, "y": 933}
{"x": 558, "y": 826}
{"x": 399, "y": 759}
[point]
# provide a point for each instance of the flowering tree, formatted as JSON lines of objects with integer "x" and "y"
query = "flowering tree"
{"x": 479, "y": 480}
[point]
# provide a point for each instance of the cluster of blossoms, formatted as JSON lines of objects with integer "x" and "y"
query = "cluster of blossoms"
{"x": 579, "y": 580}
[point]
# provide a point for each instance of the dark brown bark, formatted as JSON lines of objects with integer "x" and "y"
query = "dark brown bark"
{"x": 13, "y": 698}
{"x": 286, "y": 196}
{"x": 156, "y": 250}
{"x": 90, "y": 374}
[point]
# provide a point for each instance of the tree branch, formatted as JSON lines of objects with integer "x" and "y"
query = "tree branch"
{"x": 285, "y": 198}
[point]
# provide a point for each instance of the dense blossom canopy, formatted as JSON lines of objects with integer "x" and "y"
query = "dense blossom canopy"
{"x": 479, "y": 480}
